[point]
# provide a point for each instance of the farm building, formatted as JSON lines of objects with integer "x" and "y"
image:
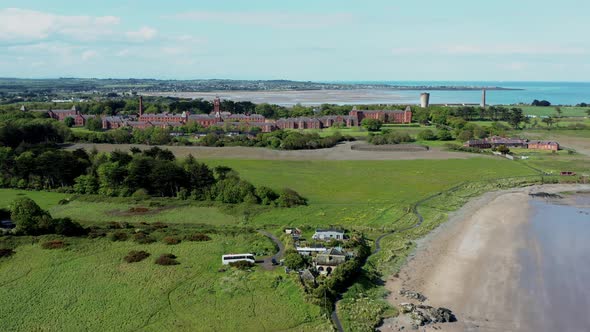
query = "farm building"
{"x": 496, "y": 141}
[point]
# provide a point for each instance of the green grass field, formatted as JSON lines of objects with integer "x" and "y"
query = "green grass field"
{"x": 362, "y": 193}
{"x": 567, "y": 111}
{"x": 89, "y": 287}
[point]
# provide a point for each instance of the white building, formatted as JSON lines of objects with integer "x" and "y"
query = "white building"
{"x": 328, "y": 234}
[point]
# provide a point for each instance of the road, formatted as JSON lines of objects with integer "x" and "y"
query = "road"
{"x": 267, "y": 263}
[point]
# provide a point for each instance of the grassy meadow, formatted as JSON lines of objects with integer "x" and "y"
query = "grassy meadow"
{"x": 88, "y": 286}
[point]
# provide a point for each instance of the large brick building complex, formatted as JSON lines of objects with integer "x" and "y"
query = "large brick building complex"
{"x": 219, "y": 118}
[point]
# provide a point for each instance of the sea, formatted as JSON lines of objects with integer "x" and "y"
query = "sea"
{"x": 555, "y": 266}
{"x": 558, "y": 93}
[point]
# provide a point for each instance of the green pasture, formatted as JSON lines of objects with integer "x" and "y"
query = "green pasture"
{"x": 567, "y": 111}
{"x": 362, "y": 193}
{"x": 88, "y": 286}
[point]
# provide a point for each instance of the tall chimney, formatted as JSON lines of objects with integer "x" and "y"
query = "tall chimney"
{"x": 140, "y": 105}
{"x": 483, "y": 98}
{"x": 216, "y": 105}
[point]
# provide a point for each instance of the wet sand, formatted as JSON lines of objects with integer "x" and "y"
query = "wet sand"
{"x": 474, "y": 265}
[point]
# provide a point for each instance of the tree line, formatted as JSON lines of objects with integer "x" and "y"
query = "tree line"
{"x": 153, "y": 172}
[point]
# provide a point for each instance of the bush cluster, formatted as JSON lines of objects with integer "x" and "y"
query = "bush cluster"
{"x": 5, "y": 252}
{"x": 54, "y": 244}
{"x": 171, "y": 240}
{"x": 167, "y": 259}
{"x": 30, "y": 219}
{"x": 198, "y": 237}
{"x": 390, "y": 137}
{"x": 136, "y": 256}
{"x": 143, "y": 238}
{"x": 118, "y": 236}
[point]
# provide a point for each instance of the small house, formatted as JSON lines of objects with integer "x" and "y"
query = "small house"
{"x": 294, "y": 232}
{"x": 325, "y": 263}
{"x": 328, "y": 234}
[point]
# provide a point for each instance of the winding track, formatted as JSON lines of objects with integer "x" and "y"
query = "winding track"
{"x": 267, "y": 264}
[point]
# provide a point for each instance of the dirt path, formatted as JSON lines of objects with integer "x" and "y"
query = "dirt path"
{"x": 470, "y": 264}
{"x": 340, "y": 152}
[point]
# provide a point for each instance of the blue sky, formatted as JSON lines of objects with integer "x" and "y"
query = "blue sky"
{"x": 512, "y": 40}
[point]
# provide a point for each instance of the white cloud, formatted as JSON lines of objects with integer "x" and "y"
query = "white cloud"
{"x": 23, "y": 24}
{"x": 143, "y": 34}
{"x": 87, "y": 55}
{"x": 275, "y": 19}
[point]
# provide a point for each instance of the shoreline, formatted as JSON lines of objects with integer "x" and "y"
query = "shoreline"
{"x": 470, "y": 264}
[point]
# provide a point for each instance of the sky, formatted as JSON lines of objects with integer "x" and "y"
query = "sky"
{"x": 319, "y": 40}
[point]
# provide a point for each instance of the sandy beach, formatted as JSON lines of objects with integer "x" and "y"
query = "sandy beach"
{"x": 472, "y": 265}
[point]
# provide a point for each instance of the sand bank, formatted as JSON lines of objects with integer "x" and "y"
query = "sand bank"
{"x": 471, "y": 265}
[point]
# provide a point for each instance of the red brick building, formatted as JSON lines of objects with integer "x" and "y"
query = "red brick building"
{"x": 543, "y": 145}
{"x": 81, "y": 119}
{"x": 385, "y": 116}
{"x": 61, "y": 115}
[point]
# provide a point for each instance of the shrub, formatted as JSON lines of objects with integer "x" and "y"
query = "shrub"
{"x": 294, "y": 261}
{"x": 159, "y": 225}
{"x": 143, "y": 238}
{"x": 55, "y": 244}
{"x": 113, "y": 225}
{"x": 4, "y": 252}
{"x": 427, "y": 135}
{"x": 136, "y": 256}
{"x": 171, "y": 240}
{"x": 140, "y": 195}
{"x": 67, "y": 227}
{"x": 290, "y": 198}
{"x": 198, "y": 237}
{"x": 118, "y": 236}
{"x": 96, "y": 232}
{"x": 242, "y": 265}
{"x": 167, "y": 259}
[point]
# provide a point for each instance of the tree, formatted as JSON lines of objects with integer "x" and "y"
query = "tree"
{"x": 516, "y": 117}
{"x": 444, "y": 135}
{"x": 28, "y": 216}
{"x": 289, "y": 197}
{"x": 372, "y": 124}
{"x": 558, "y": 111}
{"x": 69, "y": 121}
{"x": 543, "y": 103}
{"x": 503, "y": 149}
{"x": 294, "y": 261}
{"x": 94, "y": 124}
{"x": 427, "y": 135}
{"x": 549, "y": 121}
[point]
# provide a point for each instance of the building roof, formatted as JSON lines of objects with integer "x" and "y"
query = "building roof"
{"x": 325, "y": 230}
